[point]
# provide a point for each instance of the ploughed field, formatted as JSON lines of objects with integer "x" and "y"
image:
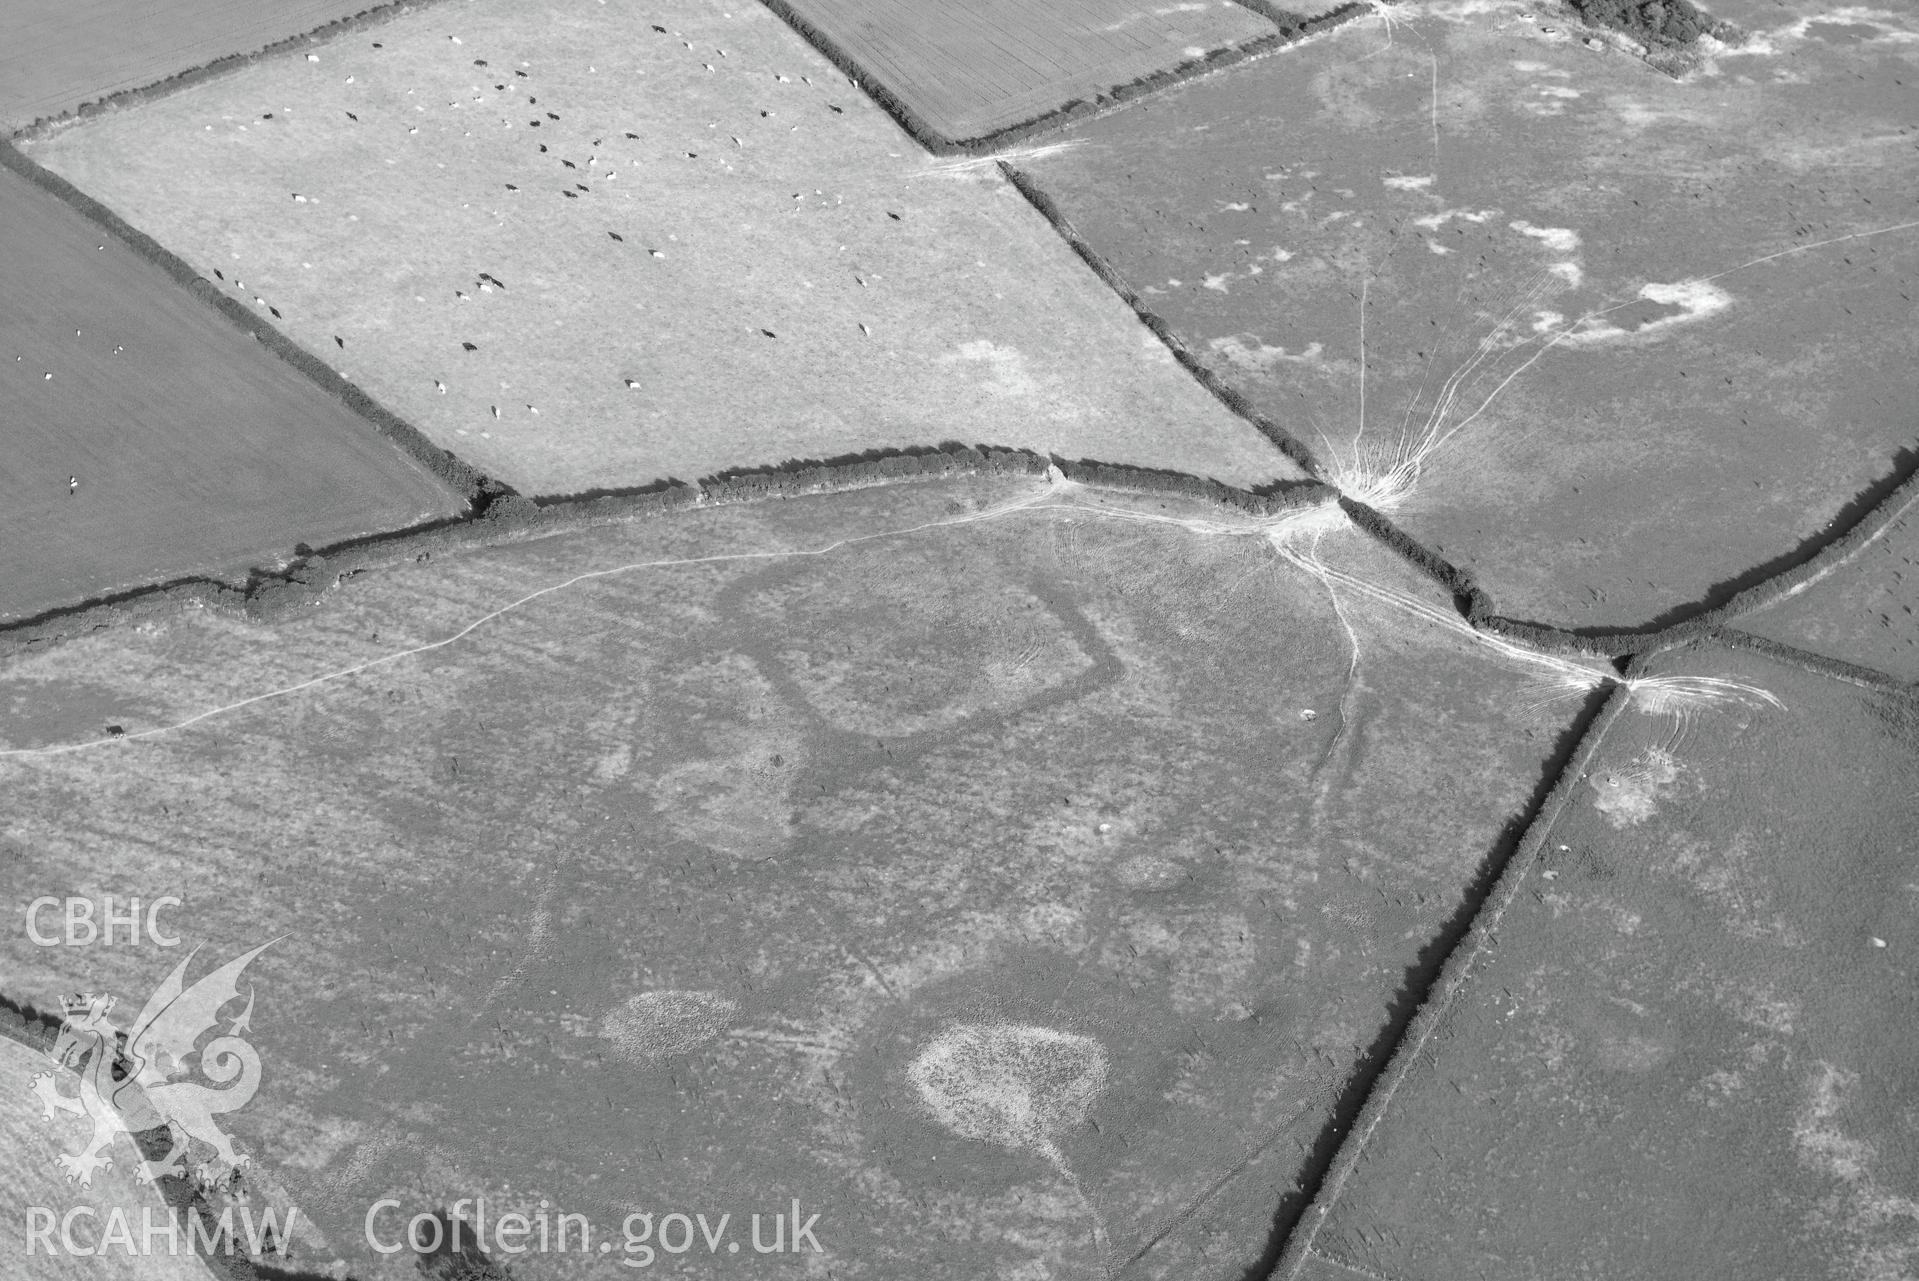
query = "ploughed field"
{"x": 976, "y": 68}
{"x": 149, "y": 439}
{"x": 1012, "y": 872}
{"x": 589, "y": 248}
{"x": 60, "y": 54}
{"x": 32, "y": 1186}
{"x": 1689, "y": 1051}
{"x": 1626, "y": 338}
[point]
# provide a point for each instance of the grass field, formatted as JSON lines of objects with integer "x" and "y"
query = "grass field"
{"x": 586, "y": 253}
{"x": 30, "y": 1180}
{"x": 1018, "y": 891}
{"x": 62, "y": 53}
{"x": 148, "y": 439}
{"x": 1690, "y": 1053}
{"x": 1625, "y": 339}
{"x": 973, "y": 69}
{"x": 1862, "y": 611}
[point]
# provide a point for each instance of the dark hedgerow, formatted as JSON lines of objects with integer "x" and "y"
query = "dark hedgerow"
{"x": 1670, "y": 22}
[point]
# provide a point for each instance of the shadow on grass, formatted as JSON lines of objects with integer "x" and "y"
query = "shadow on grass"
{"x": 1421, "y": 977}
{"x": 1862, "y": 505}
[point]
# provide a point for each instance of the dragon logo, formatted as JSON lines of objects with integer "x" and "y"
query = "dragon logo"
{"x": 129, "y": 1082}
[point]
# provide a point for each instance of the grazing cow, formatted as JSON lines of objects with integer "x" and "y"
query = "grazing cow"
{"x": 617, "y": 236}
{"x": 339, "y": 342}
{"x": 634, "y": 136}
{"x": 439, "y": 386}
{"x": 469, "y": 346}
{"x": 351, "y": 116}
{"x": 569, "y": 164}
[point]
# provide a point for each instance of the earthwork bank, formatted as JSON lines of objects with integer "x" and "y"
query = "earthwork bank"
{"x": 1062, "y": 857}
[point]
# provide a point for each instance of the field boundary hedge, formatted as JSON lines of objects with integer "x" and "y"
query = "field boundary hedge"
{"x": 374, "y": 16}
{"x": 1279, "y": 437}
{"x": 1291, "y": 27}
{"x": 1454, "y": 976}
{"x": 36, "y": 1031}
{"x": 505, "y": 516}
{"x": 472, "y": 487}
{"x": 1887, "y": 501}
{"x": 508, "y": 517}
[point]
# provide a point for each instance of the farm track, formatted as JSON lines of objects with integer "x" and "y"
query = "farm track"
{"x": 1430, "y": 987}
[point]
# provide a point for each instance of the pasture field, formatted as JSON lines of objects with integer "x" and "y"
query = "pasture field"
{"x": 978, "y": 68}
{"x": 1012, "y": 872}
{"x": 62, "y": 53}
{"x": 588, "y": 248}
{"x": 1687, "y": 1048}
{"x": 148, "y": 439}
{"x": 1627, "y": 340}
{"x": 1862, "y": 610}
{"x": 30, "y": 1180}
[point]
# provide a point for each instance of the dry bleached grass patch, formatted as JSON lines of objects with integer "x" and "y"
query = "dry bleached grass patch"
{"x": 589, "y": 248}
